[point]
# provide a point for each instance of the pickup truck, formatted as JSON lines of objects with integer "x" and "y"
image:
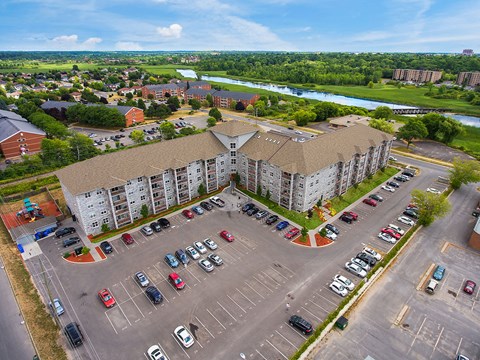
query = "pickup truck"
{"x": 217, "y": 201}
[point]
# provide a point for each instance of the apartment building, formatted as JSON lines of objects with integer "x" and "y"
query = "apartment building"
{"x": 417, "y": 76}
{"x": 468, "y": 79}
{"x": 112, "y": 188}
{"x": 163, "y": 91}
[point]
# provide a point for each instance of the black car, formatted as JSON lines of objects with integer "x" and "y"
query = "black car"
{"x": 253, "y": 211}
{"x": 180, "y": 254}
{"x": 164, "y": 223}
{"x": 393, "y": 184}
{"x": 271, "y": 219}
{"x": 206, "y": 205}
{"x": 65, "y": 231}
{"x": 247, "y": 207}
{"x": 106, "y": 247}
{"x": 347, "y": 218}
{"x": 408, "y": 172}
{"x": 332, "y": 228}
{"x": 300, "y": 323}
{"x": 156, "y": 227}
{"x": 71, "y": 241}
{"x": 154, "y": 295}
{"x": 410, "y": 213}
{"x": 376, "y": 197}
{"x": 370, "y": 260}
{"x": 401, "y": 179}
{"x": 74, "y": 334}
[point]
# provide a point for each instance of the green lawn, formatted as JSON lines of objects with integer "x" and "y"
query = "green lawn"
{"x": 64, "y": 66}
{"x": 469, "y": 142}
{"x": 169, "y": 69}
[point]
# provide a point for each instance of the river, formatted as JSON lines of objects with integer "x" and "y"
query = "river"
{"x": 319, "y": 95}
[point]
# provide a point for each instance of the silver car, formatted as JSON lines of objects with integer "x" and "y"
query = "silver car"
{"x": 405, "y": 220}
{"x": 261, "y": 214}
{"x": 361, "y": 263}
{"x": 214, "y": 258}
{"x": 199, "y": 247}
{"x": 192, "y": 252}
{"x": 355, "y": 269}
{"x": 212, "y": 245}
{"x": 386, "y": 237}
{"x": 56, "y": 305}
{"x": 206, "y": 265}
{"x": 141, "y": 278}
{"x": 347, "y": 283}
{"x": 147, "y": 230}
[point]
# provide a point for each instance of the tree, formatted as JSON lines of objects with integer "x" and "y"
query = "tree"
{"x": 211, "y": 122}
{"x": 259, "y": 190}
{"x": 323, "y": 232}
{"x": 201, "y": 189}
{"x": 267, "y": 195}
{"x": 449, "y": 128}
{"x": 414, "y": 129}
{"x": 239, "y": 106}
{"x": 187, "y": 131}
{"x": 105, "y": 228}
{"x": 129, "y": 96}
{"x": 49, "y": 124}
{"x": 173, "y": 100}
{"x": 383, "y": 112}
{"x": 382, "y": 125}
{"x": 303, "y": 117}
{"x": 233, "y": 105}
{"x": 75, "y": 68}
{"x": 209, "y": 98}
{"x": 137, "y": 136}
{"x": 325, "y": 110}
{"x": 28, "y": 108}
{"x": 82, "y": 147}
{"x": 250, "y": 109}
{"x": 215, "y": 113}
{"x": 167, "y": 129}
{"x": 56, "y": 152}
{"x": 195, "y": 104}
{"x": 304, "y": 232}
{"x": 370, "y": 84}
{"x": 141, "y": 104}
{"x": 237, "y": 178}
{"x": 144, "y": 211}
{"x": 464, "y": 172}
{"x": 430, "y": 206}
{"x": 259, "y": 108}
{"x": 3, "y": 105}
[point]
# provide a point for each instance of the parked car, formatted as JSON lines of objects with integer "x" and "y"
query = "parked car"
{"x": 192, "y": 252}
{"x": 107, "y": 299}
{"x": 387, "y": 238}
{"x": 57, "y": 306}
{"x": 405, "y": 220}
{"x": 154, "y": 294}
{"x": 171, "y": 261}
{"x": 376, "y": 197}
{"x": 227, "y": 236}
{"x": 127, "y": 239}
{"x": 188, "y": 214}
{"x": 353, "y": 215}
{"x": 409, "y": 172}
{"x": 182, "y": 335}
{"x": 388, "y": 188}
{"x": 434, "y": 191}
{"x": 469, "y": 287}
{"x": 292, "y": 233}
{"x": 154, "y": 353}
{"x": 370, "y": 260}
{"x": 164, "y": 223}
{"x": 71, "y": 241}
{"x": 253, "y": 211}
{"x": 370, "y": 201}
{"x": 410, "y": 213}
{"x": 261, "y": 214}
{"x": 155, "y": 227}
{"x": 176, "y": 281}
{"x": 393, "y": 184}
{"x": 217, "y": 201}
{"x": 396, "y": 229}
{"x": 400, "y": 178}
{"x": 391, "y": 232}
{"x": 147, "y": 230}
{"x": 74, "y": 334}
{"x": 332, "y": 228}
{"x": 106, "y": 247}
{"x": 247, "y": 207}
{"x": 373, "y": 253}
{"x": 197, "y": 210}
{"x": 338, "y": 288}
{"x": 182, "y": 257}
{"x": 214, "y": 258}
{"x": 206, "y": 205}
{"x": 346, "y": 218}
{"x": 364, "y": 265}
{"x": 392, "y": 158}
{"x": 439, "y": 272}
{"x": 282, "y": 225}
{"x": 355, "y": 269}
{"x": 199, "y": 247}
{"x": 212, "y": 245}
{"x": 272, "y": 219}
{"x": 141, "y": 279}
{"x": 206, "y": 265}
{"x": 329, "y": 234}
{"x": 65, "y": 231}
{"x": 301, "y": 324}
{"x": 347, "y": 283}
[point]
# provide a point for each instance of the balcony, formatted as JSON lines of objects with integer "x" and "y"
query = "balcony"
{"x": 120, "y": 190}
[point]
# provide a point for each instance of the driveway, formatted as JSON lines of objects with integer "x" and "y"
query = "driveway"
{"x": 434, "y": 150}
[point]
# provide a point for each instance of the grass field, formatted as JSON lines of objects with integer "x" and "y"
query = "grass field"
{"x": 470, "y": 141}
{"x": 64, "y": 66}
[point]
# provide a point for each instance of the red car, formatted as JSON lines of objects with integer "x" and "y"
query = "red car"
{"x": 469, "y": 287}
{"x": 370, "y": 202}
{"x": 107, "y": 299}
{"x": 227, "y": 236}
{"x": 127, "y": 239}
{"x": 176, "y": 281}
{"x": 293, "y": 232}
{"x": 187, "y": 213}
{"x": 391, "y": 232}
{"x": 351, "y": 214}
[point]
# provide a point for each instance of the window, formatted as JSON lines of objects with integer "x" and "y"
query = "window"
{"x": 143, "y": 197}
{"x": 115, "y": 188}
{"x": 233, "y": 153}
{"x": 300, "y": 186}
{"x": 233, "y": 161}
{"x": 92, "y": 216}
{"x": 154, "y": 186}
{"x": 87, "y": 195}
{"x": 199, "y": 178}
{"x": 167, "y": 181}
{"x": 233, "y": 145}
{"x": 95, "y": 224}
{"x": 222, "y": 171}
{"x": 103, "y": 212}
{"x": 99, "y": 192}
{"x": 222, "y": 162}
{"x": 106, "y": 221}
{"x": 156, "y": 194}
{"x": 132, "y": 202}
{"x": 139, "y": 179}
{"x": 101, "y": 202}
{"x": 90, "y": 206}
{"x": 141, "y": 189}
{"x": 129, "y": 182}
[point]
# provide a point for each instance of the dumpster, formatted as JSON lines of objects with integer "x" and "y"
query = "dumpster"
{"x": 341, "y": 323}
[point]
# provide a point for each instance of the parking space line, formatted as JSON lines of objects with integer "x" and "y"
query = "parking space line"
{"x": 270, "y": 278}
{"x": 444, "y": 282}
{"x": 296, "y": 332}
{"x": 251, "y": 302}
{"x": 186, "y": 268}
{"x": 286, "y": 339}
{"x": 459, "y": 344}
{"x": 254, "y": 290}
{"x": 204, "y": 327}
{"x": 163, "y": 350}
{"x": 286, "y": 358}
{"x": 236, "y": 304}
{"x": 159, "y": 272}
{"x": 124, "y": 314}
{"x": 259, "y": 353}
{"x": 198, "y": 342}
{"x": 278, "y": 273}
{"x": 132, "y": 299}
{"x": 224, "y": 328}
{"x": 284, "y": 267}
{"x": 436, "y": 343}
{"x": 316, "y": 317}
{"x": 265, "y": 286}
{"x": 110, "y": 321}
{"x": 418, "y": 332}
{"x": 314, "y": 303}
{"x": 226, "y": 311}
{"x": 459, "y": 289}
{"x": 323, "y": 297}
{"x": 180, "y": 345}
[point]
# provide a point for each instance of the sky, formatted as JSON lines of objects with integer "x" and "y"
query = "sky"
{"x": 273, "y": 25}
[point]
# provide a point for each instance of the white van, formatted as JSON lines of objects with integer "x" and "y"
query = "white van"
{"x": 431, "y": 286}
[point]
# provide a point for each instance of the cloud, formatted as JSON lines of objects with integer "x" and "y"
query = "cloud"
{"x": 70, "y": 42}
{"x": 128, "y": 46}
{"x": 173, "y": 31}
{"x": 372, "y": 36}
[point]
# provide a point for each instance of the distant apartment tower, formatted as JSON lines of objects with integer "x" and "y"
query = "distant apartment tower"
{"x": 418, "y": 76}
{"x": 467, "y": 52}
{"x": 468, "y": 79}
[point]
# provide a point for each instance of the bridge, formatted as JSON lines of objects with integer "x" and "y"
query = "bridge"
{"x": 418, "y": 111}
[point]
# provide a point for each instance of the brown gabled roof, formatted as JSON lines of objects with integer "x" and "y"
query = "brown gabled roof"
{"x": 234, "y": 128}
{"x": 114, "y": 169}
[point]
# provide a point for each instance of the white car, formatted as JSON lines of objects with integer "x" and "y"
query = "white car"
{"x": 199, "y": 247}
{"x": 214, "y": 258}
{"x": 330, "y": 234}
{"x": 141, "y": 279}
{"x": 147, "y": 230}
{"x": 206, "y": 265}
{"x": 387, "y": 238}
{"x": 192, "y": 252}
{"x": 185, "y": 338}
{"x": 347, "y": 283}
{"x": 397, "y": 229}
{"x": 212, "y": 245}
{"x": 373, "y": 253}
{"x": 434, "y": 191}
{"x": 406, "y": 220}
{"x": 338, "y": 288}
{"x": 57, "y": 306}
{"x": 388, "y": 188}
{"x": 355, "y": 269}
{"x": 298, "y": 132}
{"x": 154, "y": 353}
{"x": 360, "y": 263}
{"x": 392, "y": 158}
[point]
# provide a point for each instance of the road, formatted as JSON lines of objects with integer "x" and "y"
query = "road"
{"x": 14, "y": 340}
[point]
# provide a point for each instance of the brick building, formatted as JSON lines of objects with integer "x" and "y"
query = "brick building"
{"x": 224, "y": 99}
{"x": 468, "y": 79}
{"x": 417, "y": 76}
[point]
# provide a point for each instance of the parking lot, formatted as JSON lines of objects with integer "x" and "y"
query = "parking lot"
{"x": 240, "y": 307}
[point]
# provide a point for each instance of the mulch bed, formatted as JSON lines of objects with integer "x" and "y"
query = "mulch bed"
{"x": 321, "y": 241}
{"x": 86, "y": 258}
{"x": 299, "y": 241}
{"x": 101, "y": 253}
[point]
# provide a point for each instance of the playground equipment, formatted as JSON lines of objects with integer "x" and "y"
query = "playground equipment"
{"x": 30, "y": 211}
